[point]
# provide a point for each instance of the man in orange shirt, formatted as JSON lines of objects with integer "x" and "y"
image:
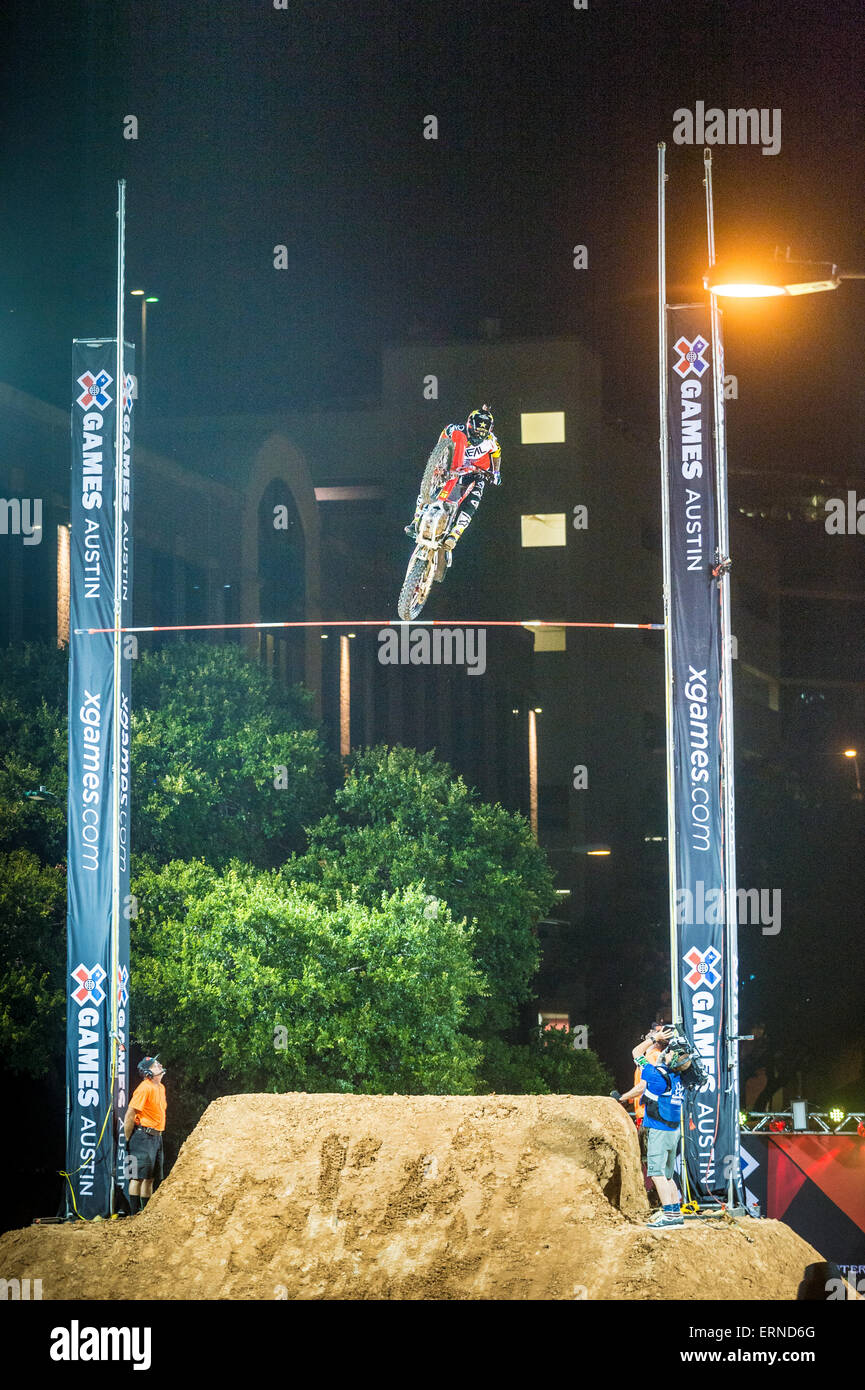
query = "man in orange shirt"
{"x": 144, "y": 1126}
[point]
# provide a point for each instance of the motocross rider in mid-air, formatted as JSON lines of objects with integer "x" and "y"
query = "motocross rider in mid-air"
{"x": 478, "y": 448}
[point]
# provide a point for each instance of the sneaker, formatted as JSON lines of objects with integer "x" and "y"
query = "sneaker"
{"x": 667, "y": 1218}
{"x": 411, "y": 530}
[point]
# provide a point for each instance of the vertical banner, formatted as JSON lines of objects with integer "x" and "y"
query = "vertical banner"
{"x": 97, "y": 979}
{"x": 710, "y": 1126}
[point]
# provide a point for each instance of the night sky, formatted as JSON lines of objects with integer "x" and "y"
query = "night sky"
{"x": 303, "y": 127}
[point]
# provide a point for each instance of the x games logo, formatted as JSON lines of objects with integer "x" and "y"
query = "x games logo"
{"x": 703, "y": 969}
{"x": 93, "y": 390}
{"x": 89, "y": 989}
{"x": 691, "y": 357}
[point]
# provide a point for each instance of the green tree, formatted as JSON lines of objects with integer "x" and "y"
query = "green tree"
{"x": 209, "y": 727}
{"x": 33, "y": 749}
{"x": 32, "y": 856}
{"x": 246, "y": 983}
{"x": 402, "y": 818}
{"x": 32, "y": 948}
{"x": 548, "y": 1064}
{"x": 210, "y": 731}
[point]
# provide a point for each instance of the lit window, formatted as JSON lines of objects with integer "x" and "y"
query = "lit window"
{"x": 550, "y": 639}
{"x": 543, "y": 427}
{"x": 561, "y": 1022}
{"x": 548, "y": 529}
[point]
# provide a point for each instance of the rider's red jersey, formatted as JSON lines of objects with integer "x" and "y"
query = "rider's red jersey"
{"x": 482, "y": 456}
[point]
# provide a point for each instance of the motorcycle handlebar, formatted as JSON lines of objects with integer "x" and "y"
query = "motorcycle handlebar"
{"x": 470, "y": 468}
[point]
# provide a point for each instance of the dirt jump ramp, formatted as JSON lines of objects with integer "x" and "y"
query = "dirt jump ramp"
{"x": 408, "y": 1197}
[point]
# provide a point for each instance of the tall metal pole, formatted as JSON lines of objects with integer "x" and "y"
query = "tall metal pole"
{"x": 663, "y": 355}
{"x": 731, "y": 1011}
{"x": 143, "y": 350}
{"x": 118, "y": 560}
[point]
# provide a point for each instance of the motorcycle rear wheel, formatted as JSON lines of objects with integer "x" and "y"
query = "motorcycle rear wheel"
{"x": 416, "y": 586}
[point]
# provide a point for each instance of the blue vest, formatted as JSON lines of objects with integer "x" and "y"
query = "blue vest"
{"x": 663, "y": 1095}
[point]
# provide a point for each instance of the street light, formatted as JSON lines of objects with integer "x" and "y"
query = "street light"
{"x": 762, "y": 277}
{"x": 145, "y": 300}
{"x": 534, "y": 711}
{"x": 852, "y": 753}
{"x": 344, "y": 696}
{"x": 533, "y": 772}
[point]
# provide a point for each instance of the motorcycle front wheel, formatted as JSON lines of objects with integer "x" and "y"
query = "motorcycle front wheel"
{"x": 416, "y": 585}
{"x": 437, "y": 468}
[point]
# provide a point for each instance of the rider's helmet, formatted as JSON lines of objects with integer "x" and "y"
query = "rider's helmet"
{"x": 479, "y": 425}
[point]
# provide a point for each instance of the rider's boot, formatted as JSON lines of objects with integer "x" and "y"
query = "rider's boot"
{"x": 450, "y": 542}
{"x": 411, "y": 529}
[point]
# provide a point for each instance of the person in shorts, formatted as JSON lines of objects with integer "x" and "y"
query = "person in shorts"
{"x": 663, "y": 1094}
{"x": 144, "y": 1126}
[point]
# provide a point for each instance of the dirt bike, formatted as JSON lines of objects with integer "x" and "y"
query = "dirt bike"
{"x": 444, "y": 490}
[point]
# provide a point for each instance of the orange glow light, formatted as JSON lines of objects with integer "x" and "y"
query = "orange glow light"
{"x": 747, "y": 291}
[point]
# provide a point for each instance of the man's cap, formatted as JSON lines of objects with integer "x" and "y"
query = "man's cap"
{"x": 146, "y": 1063}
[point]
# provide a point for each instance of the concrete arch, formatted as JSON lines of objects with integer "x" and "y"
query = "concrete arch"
{"x": 278, "y": 460}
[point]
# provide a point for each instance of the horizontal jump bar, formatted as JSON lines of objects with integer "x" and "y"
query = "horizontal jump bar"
{"x": 369, "y": 622}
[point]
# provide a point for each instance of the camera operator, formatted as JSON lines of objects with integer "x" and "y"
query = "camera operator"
{"x": 663, "y": 1094}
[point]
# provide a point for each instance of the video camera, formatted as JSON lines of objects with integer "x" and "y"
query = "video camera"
{"x": 693, "y": 1076}
{"x": 671, "y": 1039}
